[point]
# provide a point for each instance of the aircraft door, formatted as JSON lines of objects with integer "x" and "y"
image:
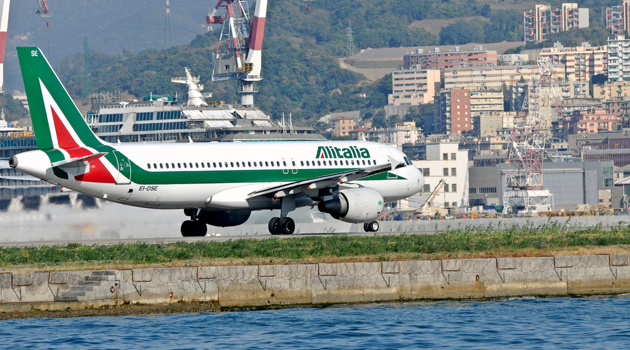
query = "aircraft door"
{"x": 285, "y": 166}
{"x": 388, "y": 153}
{"x": 293, "y": 165}
{"x": 124, "y": 169}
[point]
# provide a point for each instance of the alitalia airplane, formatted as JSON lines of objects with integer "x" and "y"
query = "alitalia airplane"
{"x": 216, "y": 184}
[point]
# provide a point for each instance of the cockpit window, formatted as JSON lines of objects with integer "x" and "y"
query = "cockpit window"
{"x": 407, "y": 161}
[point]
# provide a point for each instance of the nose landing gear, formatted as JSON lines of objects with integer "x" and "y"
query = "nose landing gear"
{"x": 371, "y": 226}
{"x": 193, "y": 227}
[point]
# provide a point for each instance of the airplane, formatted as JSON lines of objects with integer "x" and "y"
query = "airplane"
{"x": 217, "y": 184}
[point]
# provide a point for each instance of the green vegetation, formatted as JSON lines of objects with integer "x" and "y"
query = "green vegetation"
{"x": 13, "y": 109}
{"x": 489, "y": 240}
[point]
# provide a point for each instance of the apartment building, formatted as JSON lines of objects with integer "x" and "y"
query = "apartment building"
{"x": 612, "y": 90}
{"x": 397, "y": 136}
{"x": 618, "y": 58}
{"x": 580, "y": 63}
{"x": 414, "y": 86}
{"x": 593, "y": 121}
{"x": 492, "y": 78}
{"x": 618, "y": 18}
{"x": 544, "y": 20}
{"x": 452, "y": 114}
{"x": 489, "y": 124}
{"x": 342, "y": 125}
{"x": 437, "y": 59}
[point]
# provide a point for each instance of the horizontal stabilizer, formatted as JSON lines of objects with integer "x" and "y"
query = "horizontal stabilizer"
{"x": 79, "y": 159}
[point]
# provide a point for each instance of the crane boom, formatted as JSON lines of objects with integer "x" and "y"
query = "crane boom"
{"x": 433, "y": 195}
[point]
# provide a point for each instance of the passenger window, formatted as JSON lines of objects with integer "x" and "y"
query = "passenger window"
{"x": 347, "y": 163}
{"x": 249, "y": 164}
{"x": 190, "y": 165}
{"x": 202, "y": 165}
{"x": 307, "y": 163}
{"x": 166, "y": 165}
{"x": 261, "y": 164}
{"x": 226, "y": 164}
{"x": 161, "y": 166}
{"x": 154, "y": 166}
{"x": 215, "y": 165}
{"x": 284, "y": 163}
{"x": 352, "y": 162}
{"x": 208, "y": 164}
{"x": 364, "y": 162}
{"x": 302, "y": 162}
{"x": 173, "y": 165}
{"x": 149, "y": 165}
{"x": 278, "y": 163}
{"x": 335, "y": 162}
{"x": 179, "y": 165}
{"x": 232, "y": 164}
{"x": 184, "y": 165}
{"x": 197, "y": 165}
{"x": 220, "y": 165}
{"x": 293, "y": 162}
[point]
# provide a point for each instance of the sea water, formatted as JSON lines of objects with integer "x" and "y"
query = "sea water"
{"x": 525, "y": 323}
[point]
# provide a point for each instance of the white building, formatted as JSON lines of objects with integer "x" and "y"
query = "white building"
{"x": 618, "y": 55}
{"x": 443, "y": 161}
{"x": 396, "y": 137}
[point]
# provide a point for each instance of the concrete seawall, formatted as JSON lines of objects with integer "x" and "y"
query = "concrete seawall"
{"x": 261, "y": 286}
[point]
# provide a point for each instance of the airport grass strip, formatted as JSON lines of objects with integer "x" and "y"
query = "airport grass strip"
{"x": 486, "y": 240}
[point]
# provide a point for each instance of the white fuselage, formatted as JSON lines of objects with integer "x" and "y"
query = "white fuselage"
{"x": 189, "y": 175}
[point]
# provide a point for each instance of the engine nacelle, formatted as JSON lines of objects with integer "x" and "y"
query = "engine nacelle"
{"x": 224, "y": 218}
{"x": 354, "y": 205}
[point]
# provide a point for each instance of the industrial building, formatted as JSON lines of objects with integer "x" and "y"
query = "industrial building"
{"x": 571, "y": 183}
{"x": 436, "y": 58}
{"x": 414, "y": 86}
{"x": 544, "y": 20}
{"x": 580, "y": 63}
{"x": 444, "y": 161}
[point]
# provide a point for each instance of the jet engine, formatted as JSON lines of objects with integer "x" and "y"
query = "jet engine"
{"x": 224, "y": 218}
{"x": 354, "y": 205}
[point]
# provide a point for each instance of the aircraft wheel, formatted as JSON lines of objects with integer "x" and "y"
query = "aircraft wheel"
{"x": 373, "y": 226}
{"x": 287, "y": 226}
{"x": 274, "y": 228}
{"x": 188, "y": 228}
{"x": 366, "y": 228}
{"x": 200, "y": 229}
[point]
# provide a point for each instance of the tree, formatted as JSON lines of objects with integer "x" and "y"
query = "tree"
{"x": 486, "y": 11}
{"x": 379, "y": 121}
{"x": 462, "y": 32}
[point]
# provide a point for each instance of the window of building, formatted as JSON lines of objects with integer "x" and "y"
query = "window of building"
{"x": 426, "y": 172}
{"x": 453, "y": 171}
{"x": 444, "y": 156}
{"x": 454, "y": 188}
{"x": 454, "y": 204}
{"x": 445, "y": 172}
{"x": 446, "y": 188}
{"x": 472, "y": 190}
{"x": 453, "y": 156}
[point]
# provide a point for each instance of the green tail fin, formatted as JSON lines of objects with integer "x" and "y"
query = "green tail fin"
{"x": 57, "y": 122}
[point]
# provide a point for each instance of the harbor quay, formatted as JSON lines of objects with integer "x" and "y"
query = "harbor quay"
{"x": 59, "y": 292}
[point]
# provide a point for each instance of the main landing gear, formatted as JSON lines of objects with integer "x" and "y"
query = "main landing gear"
{"x": 371, "y": 226}
{"x": 193, "y": 227}
{"x": 283, "y": 225}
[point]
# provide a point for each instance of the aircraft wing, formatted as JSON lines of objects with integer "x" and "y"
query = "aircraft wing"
{"x": 326, "y": 181}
